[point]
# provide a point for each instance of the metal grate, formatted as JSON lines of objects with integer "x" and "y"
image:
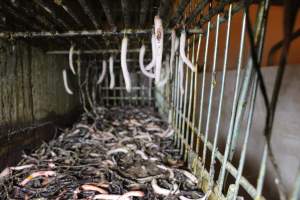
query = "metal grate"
{"x": 141, "y": 94}
{"x": 190, "y": 113}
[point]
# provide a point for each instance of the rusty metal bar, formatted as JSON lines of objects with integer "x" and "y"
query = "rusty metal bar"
{"x": 212, "y": 87}
{"x": 196, "y": 11}
{"x": 229, "y": 167}
{"x": 71, "y": 13}
{"x": 33, "y": 17}
{"x": 184, "y": 104}
{"x": 262, "y": 173}
{"x": 27, "y": 22}
{"x": 126, "y": 13}
{"x": 187, "y": 103}
{"x": 179, "y": 12}
{"x": 107, "y": 91}
{"x": 179, "y": 105}
{"x": 212, "y": 163}
{"x": 73, "y": 33}
{"x": 195, "y": 90}
{"x": 203, "y": 87}
{"x": 53, "y": 14}
{"x": 118, "y": 61}
{"x": 296, "y": 191}
{"x": 143, "y": 12}
{"x": 106, "y": 51}
{"x": 176, "y": 102}
{"x": 234, "y": 107}
{"x": 89, "y": 13}
{"x": 248, "y": 79}
{"x": 249, "y": 75}
{"x": 108, "y": 14}
{"x": 245, "y": 142}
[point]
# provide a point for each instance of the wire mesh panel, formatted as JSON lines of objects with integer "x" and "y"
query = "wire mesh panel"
{"x": 141, "y": 94}
{"x": 196, "y": 108}
{"x": 98, "y": 89}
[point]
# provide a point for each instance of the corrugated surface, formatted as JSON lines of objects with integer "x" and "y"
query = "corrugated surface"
{"x": 31, "y": 85}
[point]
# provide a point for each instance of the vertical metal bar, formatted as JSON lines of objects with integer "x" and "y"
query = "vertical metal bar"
{"x": 178, "y": 97}
{"x": 183, "y": 114}
{"x": 94, "y": 87}
{"x": 115, "y": 96}
{"x": 128, "y": 96}
{"x": 138, "y": 88}
{"x": 296, "y": 191}
{"x": 191, "y": 87}
{"x": 195, "y": 90}
{"x": 172, "y": 87}
{"x": 100, "y": 90}
{"x": 229, "y": 136}
{"x": 126, "y": 13}
{"x": 213, "y": 154}
{"x": 173, "y": 90}
{"x": 89, "y": 13}
{"x": 122, "y": 96}
{"x": 143, "y": 92}
{"x": 87, "y": 83}
{"x": 249, "y": 74}
{"x": 108, "y": 13}
{"x": 212, "y": 87}
{"x": 107, "y": 92}
{"x": 141, "y": 89}
{"x": 179, "y": 108}
{"x": 203, "y": 88}
{"x": 150, "y": 91}
{"x": 262, "y": 172}
{"x": 133, "y": 92}
{"x": 143, "y": 12}
{"x": 244, "y": 148}
{"x": 176, "y": 104}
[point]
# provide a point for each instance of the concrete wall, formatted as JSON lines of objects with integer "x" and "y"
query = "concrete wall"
{"x": 31, "y": 92}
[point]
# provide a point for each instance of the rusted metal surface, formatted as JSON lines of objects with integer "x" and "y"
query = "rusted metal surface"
{"x": 31, "y": 94}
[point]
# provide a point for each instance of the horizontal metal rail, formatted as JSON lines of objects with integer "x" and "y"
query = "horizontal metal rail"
{"x": 126, "y": 98}
{"x": 94, "y": 51}
{"x": 123, "y": 88}
{"x": 74, "y": 33}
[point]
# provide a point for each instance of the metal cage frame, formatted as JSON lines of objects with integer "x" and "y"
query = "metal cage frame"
{"x": 180, "y": 109}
